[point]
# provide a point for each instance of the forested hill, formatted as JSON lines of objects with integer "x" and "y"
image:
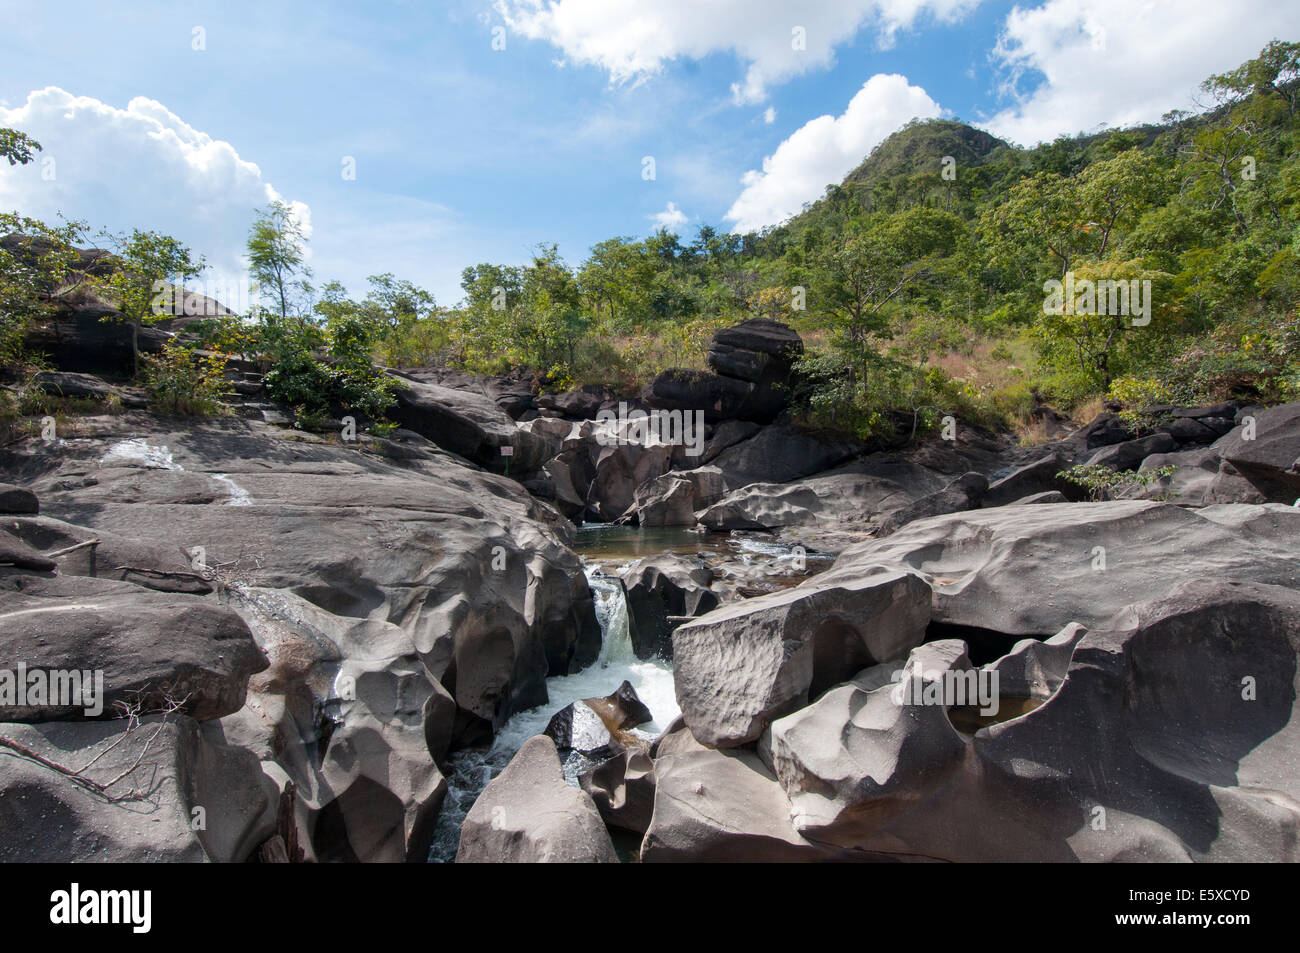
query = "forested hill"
{"x": 933, "y": 278}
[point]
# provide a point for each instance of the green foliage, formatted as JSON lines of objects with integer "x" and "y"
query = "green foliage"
{"x": 32, "y": 276}
{"x": 183, "y": 382}
{"x": 148, "y": 265}
{"x": 19, "y": 148}
{"x": 342, "y": 377}
{"x": 275, "y": 258}
{"x": 1103, "y": 483}
{"x": 1136, "y": 395}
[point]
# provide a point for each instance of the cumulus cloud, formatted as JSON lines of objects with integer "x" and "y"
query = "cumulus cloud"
{"x": 670, "y": 217}
{"x": 139, "y": 167}
{"x": 825, "y": 149}
{"x": 773, "y": 39}
{"x": 1121, "y": 61}
{"x": 769, "y": 115}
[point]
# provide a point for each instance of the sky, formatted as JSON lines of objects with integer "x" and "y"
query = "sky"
{"x": 419, "y": 138}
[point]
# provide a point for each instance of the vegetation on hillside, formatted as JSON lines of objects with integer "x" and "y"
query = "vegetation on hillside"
{"x": 950, "y": 272}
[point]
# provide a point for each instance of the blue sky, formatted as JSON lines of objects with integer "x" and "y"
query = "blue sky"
{"x": 465, "y": 153}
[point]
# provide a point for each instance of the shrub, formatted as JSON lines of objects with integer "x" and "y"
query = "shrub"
{"x": 181, "y": 381}
{"x": 1103, "y": 483}
{"x": 343, "y": 378}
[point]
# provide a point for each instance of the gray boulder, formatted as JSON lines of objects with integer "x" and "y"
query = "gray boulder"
{"x": 623, "y": 790}
{"x": 17, "y": 499}
{"x": 529, "y": 814}
{"x": 154, "y": 649}
{"x": 963, "y": 493}
{"x": 188, "y": 799}
{"x": 1268, "y": 453}
{"x": 747, "y": 663}
{"x": 1130, "y": 453}
{"x": 1031, "y": 570}
{"x": 720, "y": 807}
{"x": 659, "y": 588}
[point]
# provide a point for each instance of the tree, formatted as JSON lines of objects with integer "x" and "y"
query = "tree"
{"x": 1274, "y": 73}
{"x": 275, "y": 256}
{"x": 149, "y": 265}
{"x": 393, "y": 305}
{"x": 17, "y": 147}
{"x": 875, "y": 266}
{"x": 36, "y": 266}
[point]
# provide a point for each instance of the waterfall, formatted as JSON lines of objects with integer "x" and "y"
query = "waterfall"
{"x": 468, "y": 771}
{"x": 611, "y": 613}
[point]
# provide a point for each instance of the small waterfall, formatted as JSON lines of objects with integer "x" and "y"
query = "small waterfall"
{"x": 611, "y": 613}
{"x": 468, "y": 771}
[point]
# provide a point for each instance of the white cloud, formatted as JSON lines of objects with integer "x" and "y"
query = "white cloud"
{"x": 139, "y": 167}
{"x": 1123, "y": 61}
{"x": 670, "y": 217}
{"x": 769, "y": 115}
{"x": 825, "y": 149}
{"x": 633, "y": 39}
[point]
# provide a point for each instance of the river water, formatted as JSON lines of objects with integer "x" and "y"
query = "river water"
{"x": 606, "y": 550}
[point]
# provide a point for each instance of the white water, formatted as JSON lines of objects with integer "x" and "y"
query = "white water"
{"x": 469, "y": 771}
{"x": 238, "y": 495}
{"x": 138, "y": 453}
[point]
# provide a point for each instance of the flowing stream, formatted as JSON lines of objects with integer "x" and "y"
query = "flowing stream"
{"x": 605, "y": 550}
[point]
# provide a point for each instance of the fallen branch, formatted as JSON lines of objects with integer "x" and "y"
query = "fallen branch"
{"x": 71, "y": 549}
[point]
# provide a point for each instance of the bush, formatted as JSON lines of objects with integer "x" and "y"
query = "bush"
{"x": 345, "y": 378}
{"x": 1137, "y": 395}
{"x": 1103, "y": 483}
{"x": 181, "y": 381}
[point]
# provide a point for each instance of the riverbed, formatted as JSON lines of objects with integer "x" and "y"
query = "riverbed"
{"x": 749, "y": 562}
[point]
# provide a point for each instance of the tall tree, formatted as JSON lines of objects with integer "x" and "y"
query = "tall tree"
{"x": 150, "y": 265}
{"x": 276, "y": 249}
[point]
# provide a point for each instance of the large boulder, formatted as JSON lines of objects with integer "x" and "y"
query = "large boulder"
{"x": 721, "y": 807}
{"x": 779, "y": 454}
{"x": 848, "y": 496}
{"x": 752, "y": 363}
{"x": 1266, "y": 450}
{"x": 529, "y": 814}
{"x": 469, "y": 425}
{"x": 155, "y": 650}
{"x": 160, "y": 792}
{"x": 1130, "y": 453}
{"x": 1038, "y": 476}
{"x": 623, "y": 789}
{"x": 747, "y": 663}
{"x": 963, "y": 493}
{"x": 619, "y": 471}
{"x": 1200, "y": 477}
{"x": 720, "y": 398}
{"x": 91, "y": 337}
{"x": 862, "y": 755}
{"x": 408, "y": 604}
{"x": 660, "y": 588}
{"x": 1165, "y": 737}
{"x": 674, "y": 498}
{"x": 17, "y": 499}
{"x": 1018, "y": 571}
{"x": 758, "y": 350}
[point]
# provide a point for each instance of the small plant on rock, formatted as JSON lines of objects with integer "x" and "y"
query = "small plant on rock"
{"x": 1103, "y": 483}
